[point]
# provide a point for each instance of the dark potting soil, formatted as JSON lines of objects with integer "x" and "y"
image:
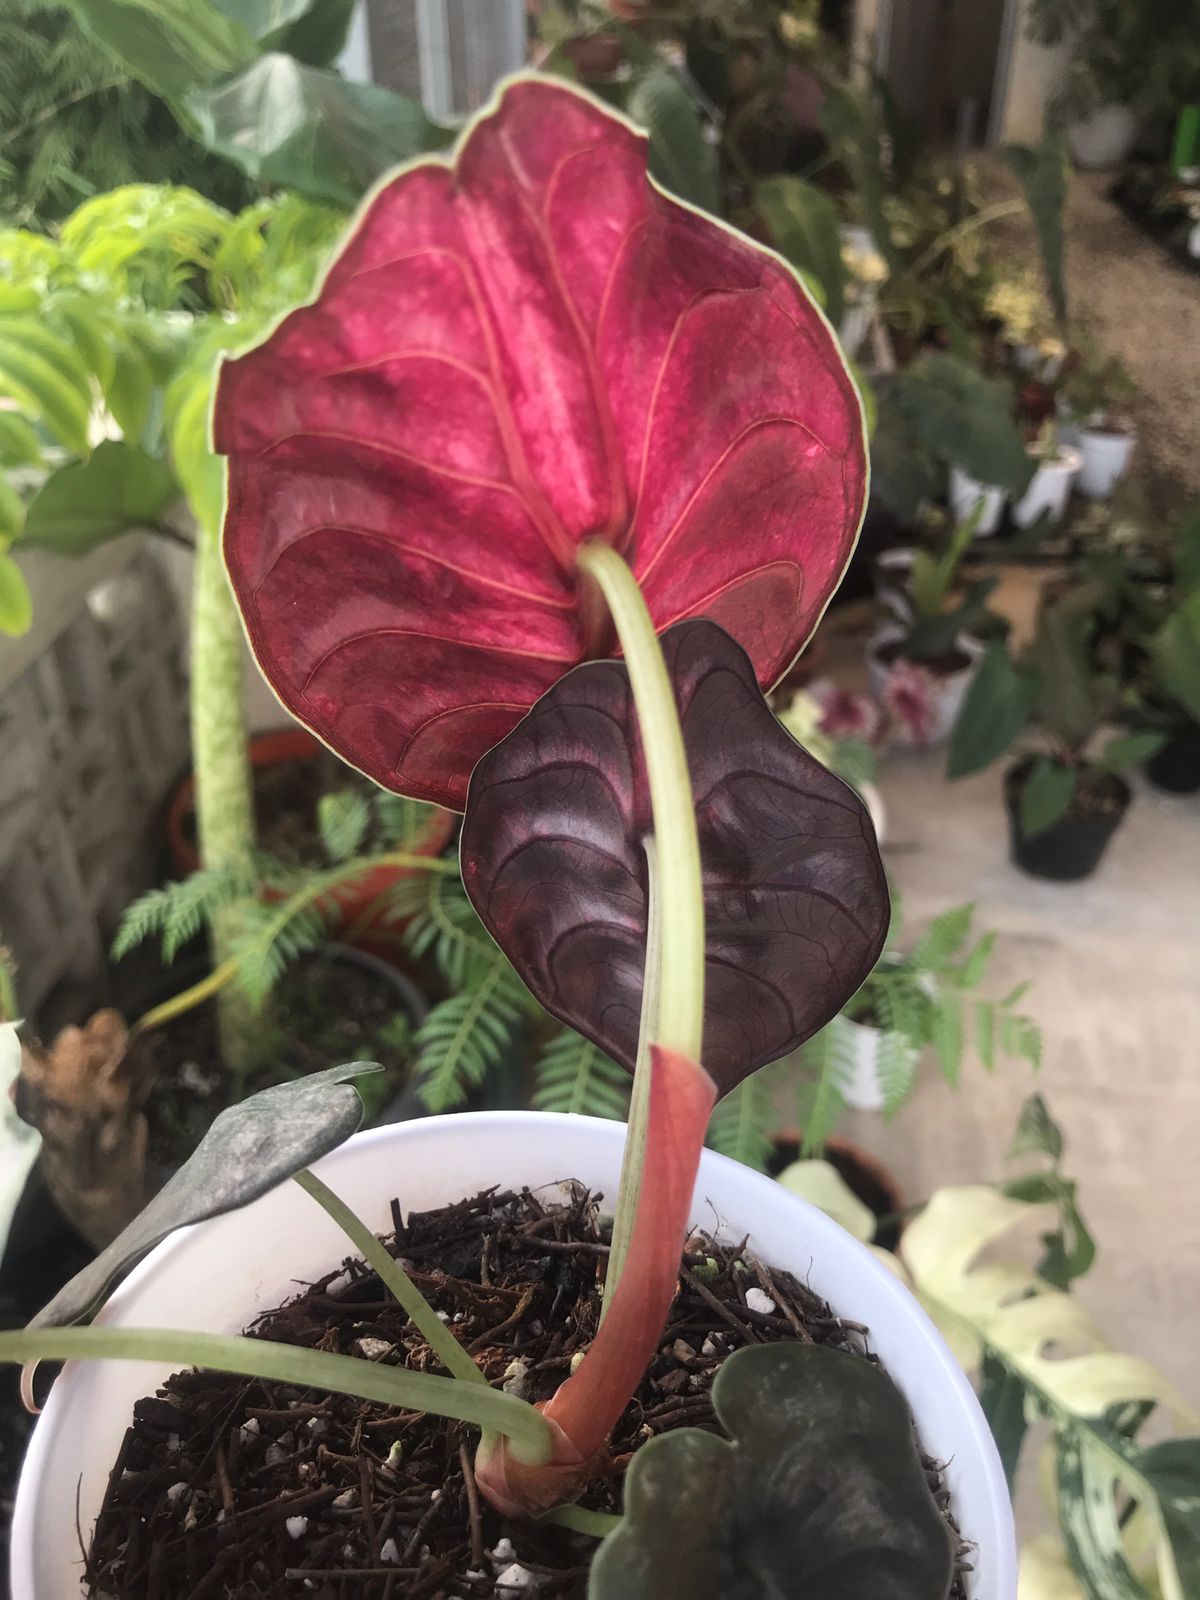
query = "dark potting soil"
{"x": 229, "y": 1489}
{"x": 286, "y": 796}
{"x": 324, "y": 1012}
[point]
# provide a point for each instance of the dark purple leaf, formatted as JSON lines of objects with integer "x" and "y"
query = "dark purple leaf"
{"x": 553, "y": 859}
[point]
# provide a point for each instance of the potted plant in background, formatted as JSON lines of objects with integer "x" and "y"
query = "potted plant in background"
{"x": 920, "y": 663}
{"x": 667, "y": 766}
{"x": 1057, "y": 468}
{"x": 1064, "y": 797}
{"x": 1095, "y": 400}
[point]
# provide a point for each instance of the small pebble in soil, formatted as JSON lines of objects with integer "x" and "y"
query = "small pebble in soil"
{"x": 515, "y": 1579}
{"x": 296, "y": 1527}
{"x": 389, "y": 1553}
{"x": 756, "y": 1300}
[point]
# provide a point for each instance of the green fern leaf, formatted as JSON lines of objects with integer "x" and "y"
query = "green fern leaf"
{"x": 575, "y": 1075}
{"x": 465, "y": 1036}
{"x": 942, "y": 939}
{"x": 744, "y": 1121}
{"x": 985, "y": 1033}
{"x": 342, "y": 821}
{"x": 1020, "y": 1036}
{"x": 178, "y": 911}
{"x": 828, "y": 1061}
{"x": 946, "y": 1026}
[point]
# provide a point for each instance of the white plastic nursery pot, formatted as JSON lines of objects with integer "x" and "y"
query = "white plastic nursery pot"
{"x": 1049, "y": 490}
{"x": 966, "y": 493}
{"x": 219, "y": 1275}
{"x": 861, "y": 1087}
{"x": 1102, "y": 140}
{"x": 950, "y": 691}
{"x": 1105, "y": 457}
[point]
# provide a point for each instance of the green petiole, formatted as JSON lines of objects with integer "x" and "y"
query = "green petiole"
{"x": 673, "y": 987}
{"x": 489, "y": 1409}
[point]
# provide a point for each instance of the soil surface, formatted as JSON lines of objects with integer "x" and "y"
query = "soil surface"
{"x": 229, "y": 1489}
{"x": 325, "y": 1011}
{"x": 943, "y": 666}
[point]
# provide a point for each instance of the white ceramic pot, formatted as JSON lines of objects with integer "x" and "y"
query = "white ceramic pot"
{"x": 1049, "y": 490}
{"x": 855, "y": 325}
{"x": 966, "y": 493}
{"x": 891, "y": 571}
{"x": 949, "y": 692}
{"x": 1105, "y": 460}
{"x": 219, "y": 1275}
{"x": 1102, "y": 140}
{"x": 861, "y": 1088}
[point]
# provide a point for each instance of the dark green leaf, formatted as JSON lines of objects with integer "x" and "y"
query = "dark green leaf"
{"x": 805, "y": 228}
{"x": 1002, "y": 1396}
{"x": 853, "y": 127}
{"x": 1037, "y": 1133}
{"x": 1176, "y": 649}
{"x": 1129, "y": 750}
{"x": 994, "y": 711}
{"x": 299, "y": 128}
{"x": 1045, "y": 795}
{"x": 1172, "y": 1470}
{"x": 821, "y": 1492}
{"x": 250, "y": 1148}
{"x": 1066, "y": 701}
{"x": 172, "y": 46}
{"x": 681, "y": 158}
{"x": 81, "y": 506}
{"x": 1042, "y": 172}
{"x": 1087, "y": 1510}
{"x": 966, "y": 420}
{"x": 130, "y": 391}
{"x": 319, "y": 36}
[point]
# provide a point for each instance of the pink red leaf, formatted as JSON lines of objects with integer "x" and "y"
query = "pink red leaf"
{"x": 532, "y": 347}
{"x": 795, "y": 897}
{"x": 586, "y": 1407}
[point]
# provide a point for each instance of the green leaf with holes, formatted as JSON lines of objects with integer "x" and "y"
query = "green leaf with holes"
{"x": 818, "y": 1490}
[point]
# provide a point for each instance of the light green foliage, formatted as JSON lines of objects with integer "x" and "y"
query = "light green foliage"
{"x": 1116, "y": 1498}
{"x": 743, "y": 1122}
{"x": 680, "y": 156}
{"x": 927, "y": 1001}
{"x": 823, "y": 1186}
{"x": 117, "y": 488}
{"x": 470, "y": 1033}
{"x": 1042, "y": 171}
{"x": 573, "y": 1074}
{"x": 16, "y": 607}
{"x": 826, "y": 1063}
{"x": 343, "y": 818}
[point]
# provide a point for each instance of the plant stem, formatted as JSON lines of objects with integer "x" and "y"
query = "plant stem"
{"x": 578, "y": 1519}
{"x": 221, "y": 762}
{"x": 426, "y": 1320}
{"x": 634, "y": 1157}
{"x": 681, "y": 909}
{"x": 480, "y": 1404}
{"x": 673, "y": 983}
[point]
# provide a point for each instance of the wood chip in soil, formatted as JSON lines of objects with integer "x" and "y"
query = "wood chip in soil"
{"x": 229, "y": 1489}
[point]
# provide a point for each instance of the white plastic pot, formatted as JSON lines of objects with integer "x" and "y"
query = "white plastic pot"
{"x": 219, "y": 1275}
{"x": 1105, "y": 460}
{"x": 1049, "y": 490}
{"x": 861, "y": 1088}
{"x": 1102, "y": 140}
{"x": 950, "y": 688}
{"x": 966, "y": 493}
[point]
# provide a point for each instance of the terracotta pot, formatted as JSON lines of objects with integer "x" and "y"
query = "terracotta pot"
{"x": 357, "y": 900}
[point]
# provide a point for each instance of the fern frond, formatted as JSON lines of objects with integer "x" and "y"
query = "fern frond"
{"x": 401, "y": 821}
{"x": 985, "y": 1032}
{"x": 744, "y": 1121}
{"x": 447, "y": 928}
{"x": 904, "y": 1014}
{"x": 342, "y": 821}
{"x": 178, "y": 911}
{"x": 1020, "y": 1036}
{"x": 828, "y": 1062}
{"x": 271, "y": 940}
{"x": 946, "y": 1028}
{"x": 942, "y": 939}
{"x": 575, "y": 1075}
{"x": 467, "y": 1035}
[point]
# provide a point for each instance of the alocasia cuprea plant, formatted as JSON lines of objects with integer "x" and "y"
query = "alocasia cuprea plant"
{"x": 538, "y": 414}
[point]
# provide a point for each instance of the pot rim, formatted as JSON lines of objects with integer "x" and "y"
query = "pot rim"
{"x": 888, "y": 632}
{"x": 944, "y": 1404}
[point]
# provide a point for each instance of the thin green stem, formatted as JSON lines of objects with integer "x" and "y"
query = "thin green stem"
{"x": 681, "y": 893}
{"x": 633, "y": 1160}
{"x": 431, "y": 1327}
{"x": 578, "y": 1519}
{"x": 479, "y": 1404}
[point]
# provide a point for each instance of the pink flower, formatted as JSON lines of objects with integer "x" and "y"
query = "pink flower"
{"x": 846, "y": 714}
{"x": 910, "y": 695}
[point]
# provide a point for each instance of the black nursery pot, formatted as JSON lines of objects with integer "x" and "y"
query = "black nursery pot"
{"x": 1176, "y": 766}
{"x": 1072, "y": 847}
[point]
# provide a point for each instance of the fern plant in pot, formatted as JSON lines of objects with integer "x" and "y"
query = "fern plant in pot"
{"x": 1065, "y": 795}
{"x": 501, "y": 536}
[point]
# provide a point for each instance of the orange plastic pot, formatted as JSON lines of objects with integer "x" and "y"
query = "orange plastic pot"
{"x": 360, "y": 902}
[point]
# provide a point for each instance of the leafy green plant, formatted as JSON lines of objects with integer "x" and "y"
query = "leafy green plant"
{"x": 1097, "y": 389}
{"x": 1056, "y": 685}
{"x": 934, "y": 608}
{"x": 1125, "y": 1509}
